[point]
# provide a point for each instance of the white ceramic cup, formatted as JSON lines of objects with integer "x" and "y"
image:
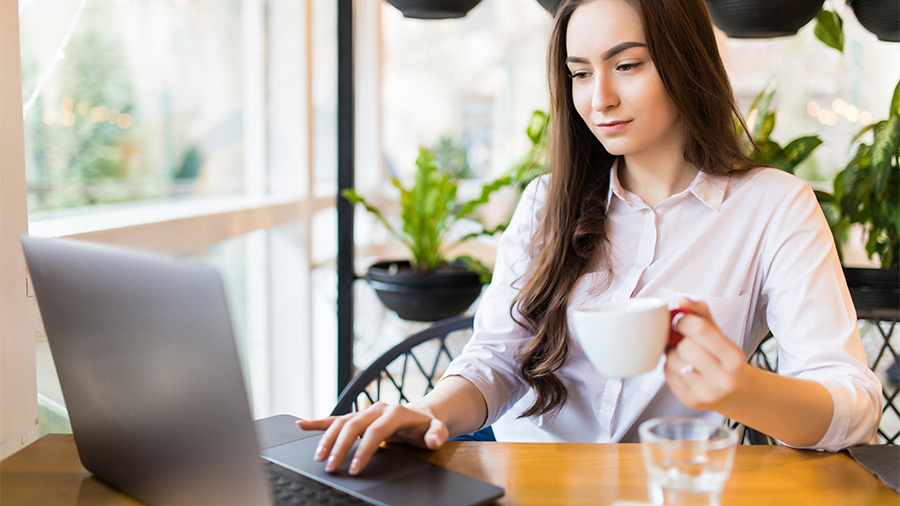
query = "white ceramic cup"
{"x": 625, "y": 338}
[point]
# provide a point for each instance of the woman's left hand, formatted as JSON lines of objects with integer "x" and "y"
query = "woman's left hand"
{"x": 705, "y": 369}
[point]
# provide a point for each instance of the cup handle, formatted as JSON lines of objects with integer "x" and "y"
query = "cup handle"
{"x": 675, "y": 337}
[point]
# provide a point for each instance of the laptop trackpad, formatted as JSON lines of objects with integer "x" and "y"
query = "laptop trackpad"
{"x": 279, "y": 429}
{"x": 385, "y": 465}
{"x": 390, "y": 477}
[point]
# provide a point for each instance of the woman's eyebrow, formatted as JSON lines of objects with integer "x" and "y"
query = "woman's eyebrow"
{"x": 618, "y": 48}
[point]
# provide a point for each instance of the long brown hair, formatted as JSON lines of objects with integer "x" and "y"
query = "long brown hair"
{"x": 571, "y": 235}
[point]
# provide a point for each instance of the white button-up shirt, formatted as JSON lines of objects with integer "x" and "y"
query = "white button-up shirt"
{"x": 754, "y": 246}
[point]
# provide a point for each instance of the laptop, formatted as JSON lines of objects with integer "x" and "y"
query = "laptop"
{"x": 150, "y": 373}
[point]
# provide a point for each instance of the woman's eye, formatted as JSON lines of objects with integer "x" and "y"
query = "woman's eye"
{"x": 625, "y": 67}
{"x": 578, "y": 74}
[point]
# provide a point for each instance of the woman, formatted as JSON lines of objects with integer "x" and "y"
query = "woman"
{"x": 649, "y": 195}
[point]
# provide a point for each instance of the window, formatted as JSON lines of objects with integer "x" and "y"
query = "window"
{"x": 194, "y": 128}
{"x": 131, "y": 101}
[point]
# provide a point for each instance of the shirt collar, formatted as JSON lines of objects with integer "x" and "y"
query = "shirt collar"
{"x": 707, "y": 188}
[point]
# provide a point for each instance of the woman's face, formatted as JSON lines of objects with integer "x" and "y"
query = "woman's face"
{"x": 615, "y": 86}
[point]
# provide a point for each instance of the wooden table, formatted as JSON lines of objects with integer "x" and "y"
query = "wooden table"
{"x": 48, "y": 473}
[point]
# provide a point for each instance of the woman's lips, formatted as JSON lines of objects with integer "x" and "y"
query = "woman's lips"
{"x": 613, "y": 126}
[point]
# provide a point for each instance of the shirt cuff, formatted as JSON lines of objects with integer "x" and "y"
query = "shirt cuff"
{"x": 496, "y": 394}
{"x": 851, "y": 417}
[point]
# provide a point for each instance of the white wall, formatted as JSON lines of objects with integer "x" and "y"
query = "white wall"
{"x": 18, "y": 384}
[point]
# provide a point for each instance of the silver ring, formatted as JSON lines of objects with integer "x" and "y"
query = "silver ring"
{"x": 686, "y": 369}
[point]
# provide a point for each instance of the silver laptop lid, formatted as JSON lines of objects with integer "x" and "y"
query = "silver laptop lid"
{"x": 149, "y": 371}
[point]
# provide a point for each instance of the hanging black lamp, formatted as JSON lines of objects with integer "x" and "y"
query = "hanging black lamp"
{"x": 760, "y": 19}
{"x": 551, "y": 5}
{"x": 881, "y": 17}
{"x": 434, "y": 9}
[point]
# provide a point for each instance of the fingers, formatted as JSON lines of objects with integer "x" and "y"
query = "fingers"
{"x": 437, "y": 435}
{"x": 322, "y": 424}
{"x": 704, "y": 332}
{"x": 705, "y": 368}
{"x": 380, "y": 422}
{"x": 413, "y": 427}
{"x": 697, "y": 307}
{"x": 354, "y": 426}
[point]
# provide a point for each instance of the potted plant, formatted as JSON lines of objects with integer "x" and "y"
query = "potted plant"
{"x": 867, "y": 193}
{"x": 430, "y": 286}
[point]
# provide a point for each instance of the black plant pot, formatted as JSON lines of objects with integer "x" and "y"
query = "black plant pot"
{"x": 434, "y": 9}
{"x": 881, "y": 17}
{"x": 427, "y": 297}
{"x": 551, "y": 5}
{"x": 875, "y": 292}
{"x": 760, "y": 19}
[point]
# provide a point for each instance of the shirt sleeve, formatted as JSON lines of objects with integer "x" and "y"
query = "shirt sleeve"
{"x": 489, "y": 358}
{"x": 811, "y": 315}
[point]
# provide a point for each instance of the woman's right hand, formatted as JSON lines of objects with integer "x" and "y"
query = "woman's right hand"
{"x": 380, "y": 422}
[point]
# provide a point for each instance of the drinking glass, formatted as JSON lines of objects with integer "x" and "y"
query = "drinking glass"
{"x": 688, "y": 460}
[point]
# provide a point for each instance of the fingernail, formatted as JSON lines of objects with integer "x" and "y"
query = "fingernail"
{"x": 354, "y": 466}
{"x": 331, "y": 464}
{"x": 320, "y": 453}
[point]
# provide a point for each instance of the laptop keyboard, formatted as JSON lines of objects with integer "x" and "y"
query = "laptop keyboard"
{"x": 296, "y": 490}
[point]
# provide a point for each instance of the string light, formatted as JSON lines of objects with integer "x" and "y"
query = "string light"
{"x": 98, "y": 114}
{"x": 67, "y": 118}
{"x": 812, "y": 108}
{"x": 124, "y": 121}
{"x": 827, "y": 117}
{"x": 839, "y": 106}
{"x": 865, "y": 118}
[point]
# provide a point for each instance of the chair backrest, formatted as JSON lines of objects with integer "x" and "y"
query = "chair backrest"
{"x": 409, "y": 370}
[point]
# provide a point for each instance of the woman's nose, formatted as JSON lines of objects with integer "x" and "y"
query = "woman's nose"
{"x": 604, "y": 95}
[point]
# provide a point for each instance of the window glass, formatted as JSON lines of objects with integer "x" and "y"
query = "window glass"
{"x": 128, "y": 100}
{"x": 324, "y": 97}
{"x": 469, "y": 83}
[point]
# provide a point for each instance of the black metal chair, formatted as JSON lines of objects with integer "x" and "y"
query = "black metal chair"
{"x": 410, "y": 369}
{"x": 418, "y": 362}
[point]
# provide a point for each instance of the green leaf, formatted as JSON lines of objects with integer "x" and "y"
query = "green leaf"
{"x": 823, "y": 197}
{"x": 862, "y": 132}
{"x": 766, "y": 127}
{"x": 767, "y": 153}
{"x": 829, "y": 30}
{"x": 837, "y": 187}
{"x": 799, "y": 149}
{"x": 872, "y": 243}
{"x": 476, "y": 266}
{"x": 884, "y": 148}
{"x": 761, "y": 104}
{"x": 486, "y": 192}
{"x": 537, "y": 127}
{"x": 355, "y": 198}
{"x": 895, "y": 101}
